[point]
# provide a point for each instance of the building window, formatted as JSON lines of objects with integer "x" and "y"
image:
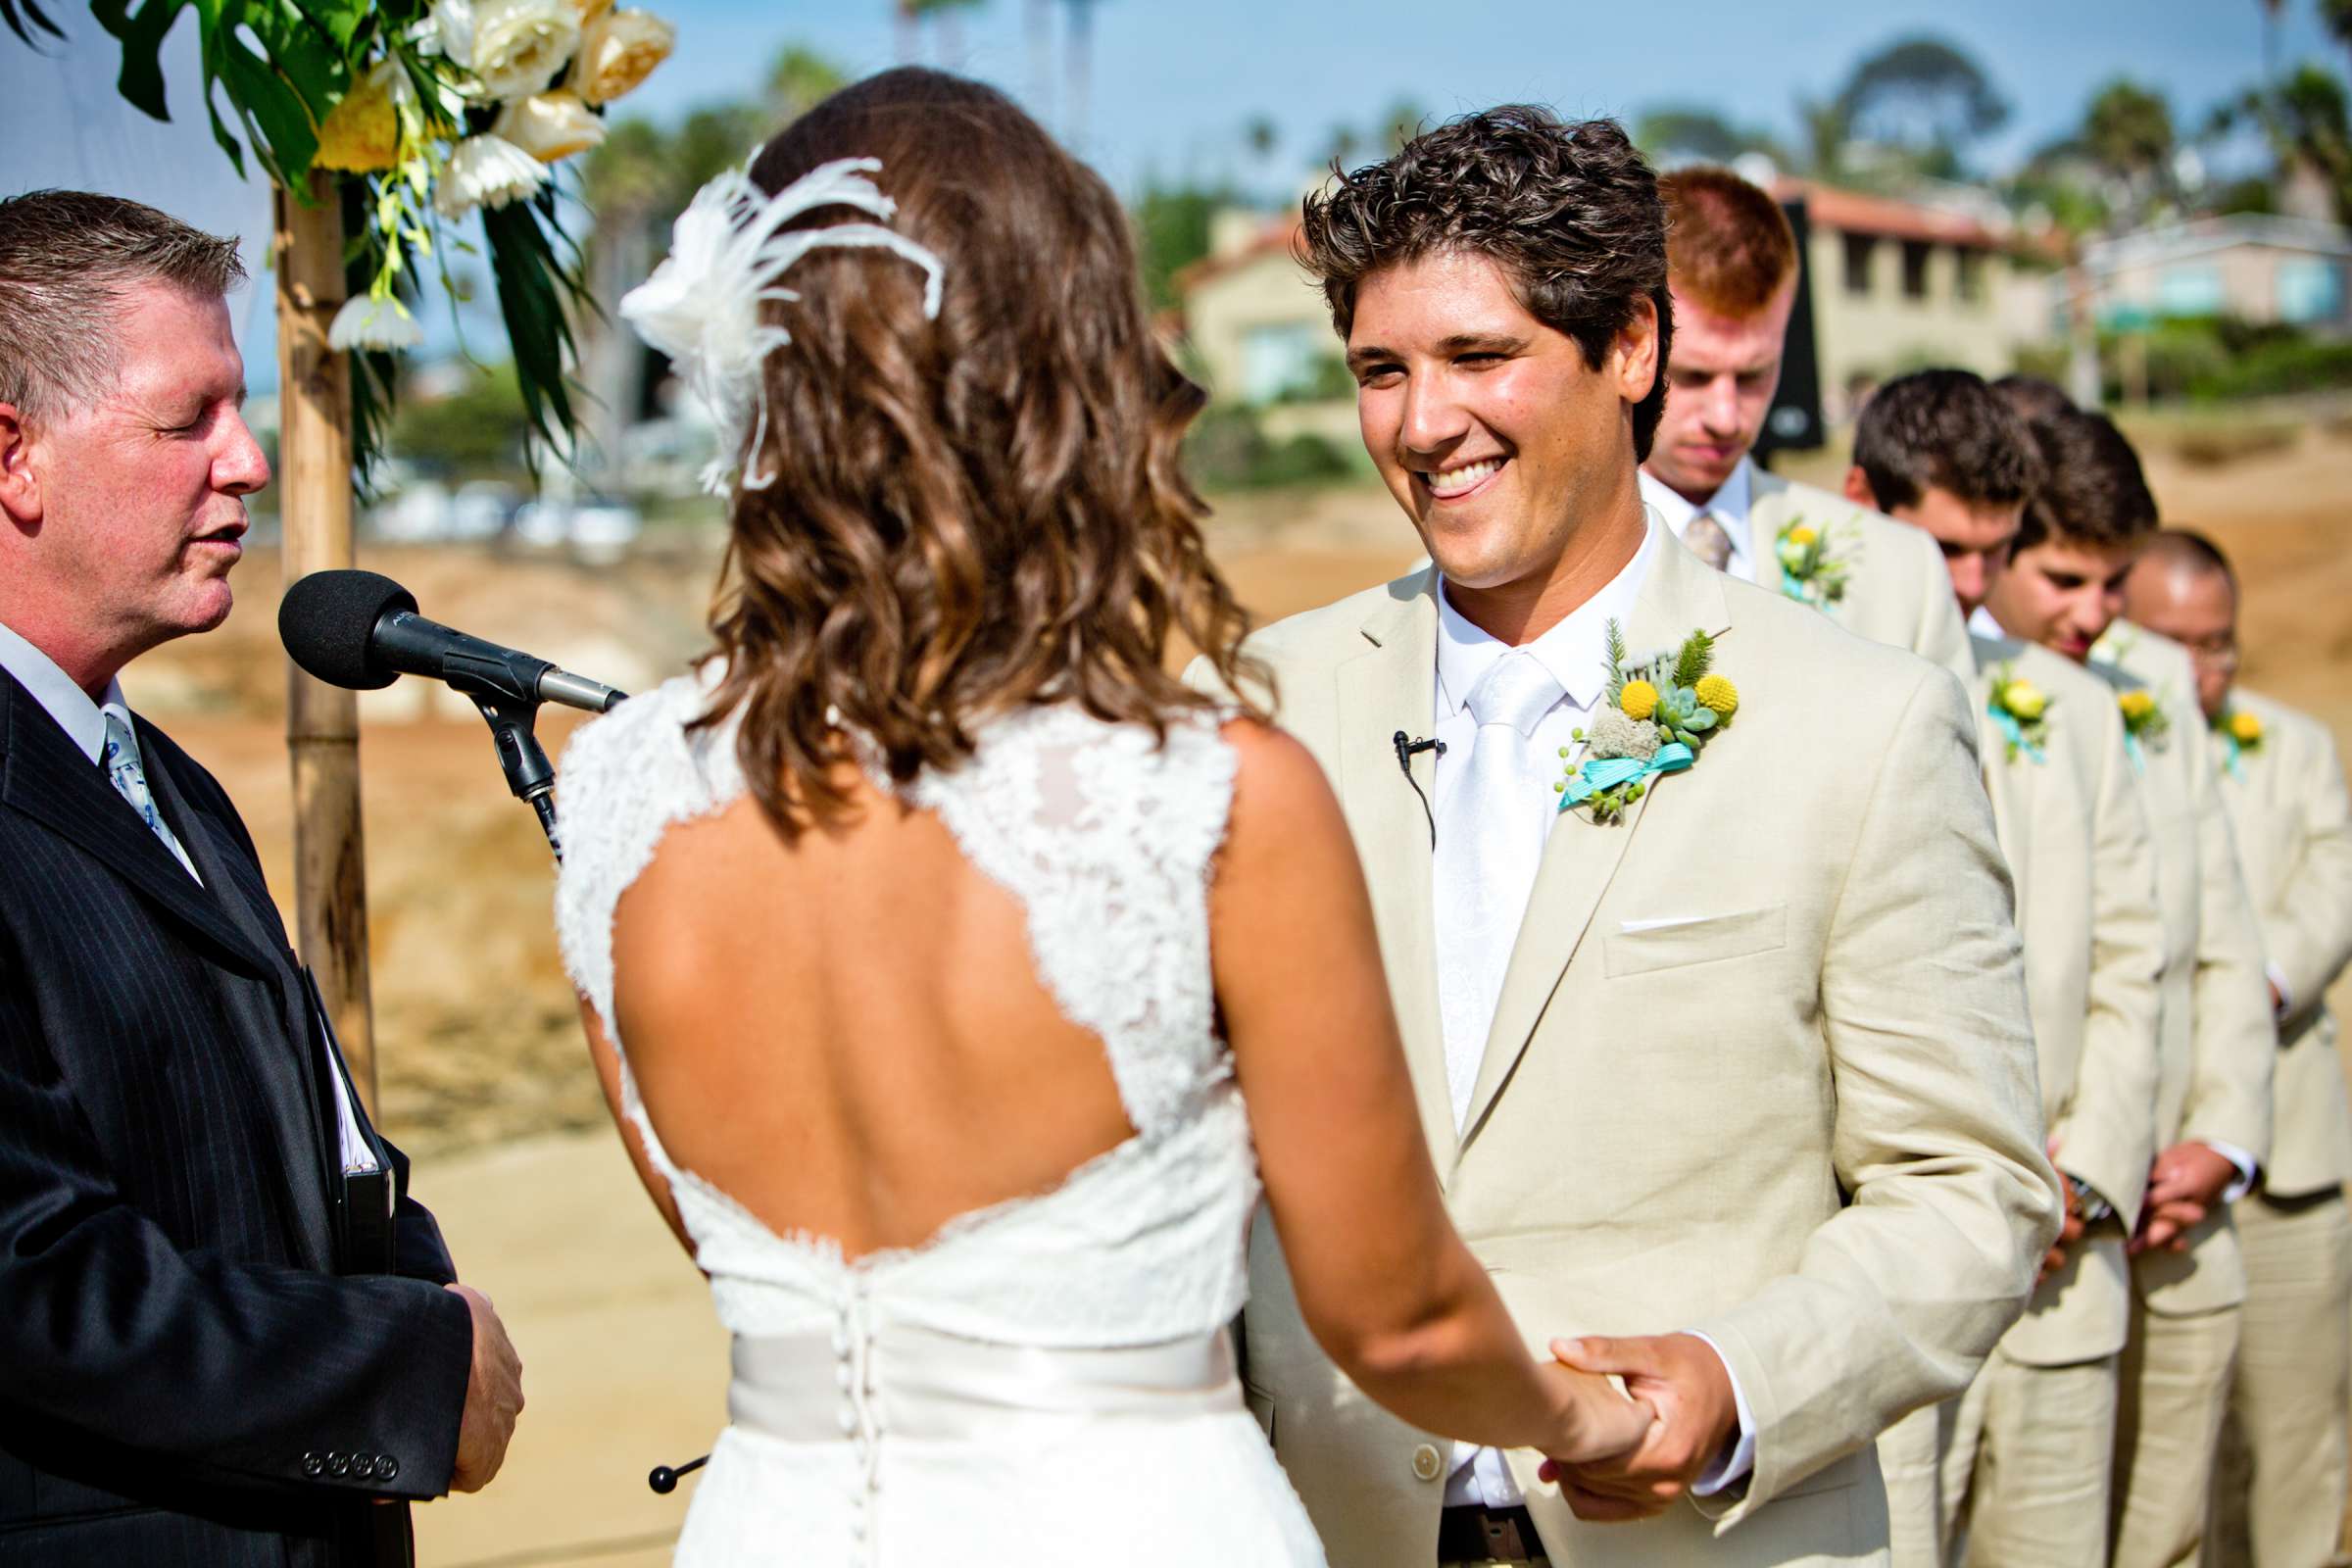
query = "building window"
{"x": 1914, "y": 269}
{"x": 2189, "y": 290}
{"x": 1968, "y": 281}
{"x": 2311, "y": 289}
{"x": 1858, "y": 249}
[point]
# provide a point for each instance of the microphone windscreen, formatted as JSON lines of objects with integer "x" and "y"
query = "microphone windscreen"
{"x": 327, "y": 622}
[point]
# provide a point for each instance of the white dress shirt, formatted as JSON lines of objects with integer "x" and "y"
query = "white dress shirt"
{"x": 1729, "y": 506}
{"x": 1576, "y": 653}
{"x": 84, "y": 724}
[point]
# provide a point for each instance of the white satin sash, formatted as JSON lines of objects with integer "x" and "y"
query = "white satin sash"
{"x": 926, "y": 1386}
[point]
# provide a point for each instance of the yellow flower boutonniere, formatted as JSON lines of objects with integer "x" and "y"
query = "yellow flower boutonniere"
{"x": 2019, "y": 710}
{"x": 2145, "y": 724}
{"x": 1657, "y": 716}
{"x": 1810, "y": 572}
{"x": 2241, "y": 738}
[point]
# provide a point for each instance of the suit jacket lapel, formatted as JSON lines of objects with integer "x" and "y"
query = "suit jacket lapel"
{"x": 1391, "y": 686}
{"x": 1767, "y": 494}
{"x": 272, "y": 1012}
{"x": 1582, "y": 857}
{"x": 46, "y": 776}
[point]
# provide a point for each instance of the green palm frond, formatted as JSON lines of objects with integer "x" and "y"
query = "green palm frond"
{"x": 25, "y": 18}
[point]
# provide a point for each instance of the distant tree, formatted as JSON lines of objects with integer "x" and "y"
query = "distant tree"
{"x": 1401, "y": 124}
{"x": 800, "y": 80}
{"x": 2336, "y": 15}
{"x": 1171, "y": 232}
{"x": 2128, "y": 137}
{"x": 1691, "y": 133}
{"x": 1925, "y": 99}
{"x": 1342, "y": 146}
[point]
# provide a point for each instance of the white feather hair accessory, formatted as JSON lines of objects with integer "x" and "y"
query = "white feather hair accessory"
{"x": 726, "y": 257}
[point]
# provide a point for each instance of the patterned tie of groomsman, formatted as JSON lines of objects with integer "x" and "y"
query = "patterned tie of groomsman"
{"x": 2283, "y": 782}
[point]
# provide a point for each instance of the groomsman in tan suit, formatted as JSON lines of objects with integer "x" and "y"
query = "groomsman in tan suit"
{"x": 2063, "y": 588}
{"x": 1732, "y": 267}
{"x": 2284, "y": 785}
{"x": 1721, "y": 1044}
{"x": 2017, "y": 1471}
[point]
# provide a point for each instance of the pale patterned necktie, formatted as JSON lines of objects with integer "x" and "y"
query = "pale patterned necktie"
{"x": 1490, "y": 841}
{"x": 121, "y": 760}
{"x": 1705, "y": 539}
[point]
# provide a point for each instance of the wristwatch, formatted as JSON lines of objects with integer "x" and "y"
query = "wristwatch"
{"x": 2087, "y": 1202}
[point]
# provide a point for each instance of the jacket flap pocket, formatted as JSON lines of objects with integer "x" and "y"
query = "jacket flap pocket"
{"x": 1641, "y": 945}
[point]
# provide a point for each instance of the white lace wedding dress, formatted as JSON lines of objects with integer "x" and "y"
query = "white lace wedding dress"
{"x": 1047, "y": 1380}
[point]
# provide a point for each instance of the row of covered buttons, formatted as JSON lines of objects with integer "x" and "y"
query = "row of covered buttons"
{"x": 350, "y": 1466}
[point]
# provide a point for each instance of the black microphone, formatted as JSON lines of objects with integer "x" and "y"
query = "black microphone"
{"x": 361, "y": 630}
{"x": 1406, "y": 750}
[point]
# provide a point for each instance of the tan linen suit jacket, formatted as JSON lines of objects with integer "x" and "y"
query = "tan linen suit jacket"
{"x": 2294, "y": 824}
{"x": 1897, "y": 592}
{"x": 1798, "y": 1113}
{"x": 2077, "y": 845}
{"x": 2213, "y": 1031}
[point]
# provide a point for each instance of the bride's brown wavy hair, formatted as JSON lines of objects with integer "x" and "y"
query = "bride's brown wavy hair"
{"x": 966, "y": 514}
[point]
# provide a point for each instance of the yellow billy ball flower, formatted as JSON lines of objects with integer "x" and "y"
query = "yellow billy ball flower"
{"x": 2024, "y": 700}
{"x": 2136, "y": 705}
{"x": 1802, "y": 535}
{"x": 1717, "y": 693}
{"x": 1639, "y": 700}
{"x": 2244, "y": 727}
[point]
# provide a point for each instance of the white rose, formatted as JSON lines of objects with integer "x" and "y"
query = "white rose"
{"x": 549, "y": 126}
{"x": 519, "y": 46}
{"x": 590, "y": 9}
{"x": 619, "y": 50}
{"x": 371, "y": 323}
{"x": 486, "y": 171}
{"x": 450, "y": 28}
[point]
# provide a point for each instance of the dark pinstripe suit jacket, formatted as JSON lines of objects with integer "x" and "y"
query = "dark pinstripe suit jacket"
{"x": 180, "y": 1359}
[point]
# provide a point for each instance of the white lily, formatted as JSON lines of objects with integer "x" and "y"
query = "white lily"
{"x": 486, "y": 171}
{"x": 366, "y": 322}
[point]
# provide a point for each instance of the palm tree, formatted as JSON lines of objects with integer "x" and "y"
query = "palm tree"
{"x": 1078, "y": 65}
{"x": 1037, "y": 20}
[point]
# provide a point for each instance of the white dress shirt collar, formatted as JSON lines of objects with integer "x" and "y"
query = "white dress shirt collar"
{"x": 82, "y": 720}
{"x": 1575, "y": 651}
{"x": 1729, "y": 506}
{"x": 1981, "y": 621}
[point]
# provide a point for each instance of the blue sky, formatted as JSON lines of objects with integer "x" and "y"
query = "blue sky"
{"x": 1175, "y": 82}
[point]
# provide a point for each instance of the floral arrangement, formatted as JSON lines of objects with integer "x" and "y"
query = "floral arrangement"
{"x": 2241, "y": 737}
{"x": 2145, "y": 724}
{"x": 2019, "y": 710}
{"x": 1810, "y": 572}
{"x": 414, "y": 119}
{"x": 1655, "y": 718}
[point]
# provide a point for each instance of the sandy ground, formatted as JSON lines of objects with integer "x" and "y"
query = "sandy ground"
{"x": 483, "y": 1075}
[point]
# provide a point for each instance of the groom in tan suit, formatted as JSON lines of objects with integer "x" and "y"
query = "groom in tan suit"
{"x": 2282, "y": 784}
{"x": 1731, "y": 269}
{"x": 1728, "y": 1062}
{"x": 2016, "y": 1472}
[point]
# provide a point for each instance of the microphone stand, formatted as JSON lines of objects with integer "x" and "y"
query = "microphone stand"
{"x": 509, "y": 698}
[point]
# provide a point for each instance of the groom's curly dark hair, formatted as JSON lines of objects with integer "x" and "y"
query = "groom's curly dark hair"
{"x": 1569, "y": 211}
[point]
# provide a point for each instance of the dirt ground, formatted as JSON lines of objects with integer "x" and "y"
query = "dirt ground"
{"x": 484, "y": 1076}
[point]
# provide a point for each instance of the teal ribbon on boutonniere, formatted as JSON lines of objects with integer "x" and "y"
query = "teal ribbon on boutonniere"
{"x": 2014, "y": 733}
{"x": 1608, "y": 772}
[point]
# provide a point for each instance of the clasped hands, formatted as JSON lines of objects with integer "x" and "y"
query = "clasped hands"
{"x": 1687, "y": 1416}
{"x": 2184, "y": 1185}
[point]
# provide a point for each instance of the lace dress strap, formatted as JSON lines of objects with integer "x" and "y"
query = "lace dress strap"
{"x": 625, "y": 780}
{"x": 1106, "y": 837}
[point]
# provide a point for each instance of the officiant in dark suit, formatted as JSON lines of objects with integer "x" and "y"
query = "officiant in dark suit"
{"x": 213, "y": 1349}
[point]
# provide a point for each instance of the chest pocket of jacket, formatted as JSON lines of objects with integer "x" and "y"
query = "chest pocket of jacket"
{"x": 1705, "y": 939}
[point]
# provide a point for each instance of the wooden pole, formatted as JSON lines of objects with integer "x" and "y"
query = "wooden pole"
{"x": 322, "y": 722}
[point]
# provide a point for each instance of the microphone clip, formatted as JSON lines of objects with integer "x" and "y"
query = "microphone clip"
{"x": 1407, "y": 749}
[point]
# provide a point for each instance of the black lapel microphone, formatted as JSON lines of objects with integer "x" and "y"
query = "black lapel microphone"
{"x": 1406, "y": 748}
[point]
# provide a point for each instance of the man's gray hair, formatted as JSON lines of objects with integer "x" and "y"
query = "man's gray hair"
{"x": 67, "y": 258}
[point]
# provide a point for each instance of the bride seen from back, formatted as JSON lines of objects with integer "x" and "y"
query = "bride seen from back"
{"x": 955, "y": 973}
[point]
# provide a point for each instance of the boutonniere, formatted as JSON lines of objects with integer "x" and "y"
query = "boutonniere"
{"x": 2021, "y": 712}
{"x": 1810, "y": 571}
{"x": 1655, "y": 718}
{"x": 2145, "y": 724}
{"x": 2241, "y": 737}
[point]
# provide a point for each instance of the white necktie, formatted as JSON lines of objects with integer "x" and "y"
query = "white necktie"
{"x": 121, "y": 760}
{"x": 1490, "y": 842}
{"x": 1708, "y": 541}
